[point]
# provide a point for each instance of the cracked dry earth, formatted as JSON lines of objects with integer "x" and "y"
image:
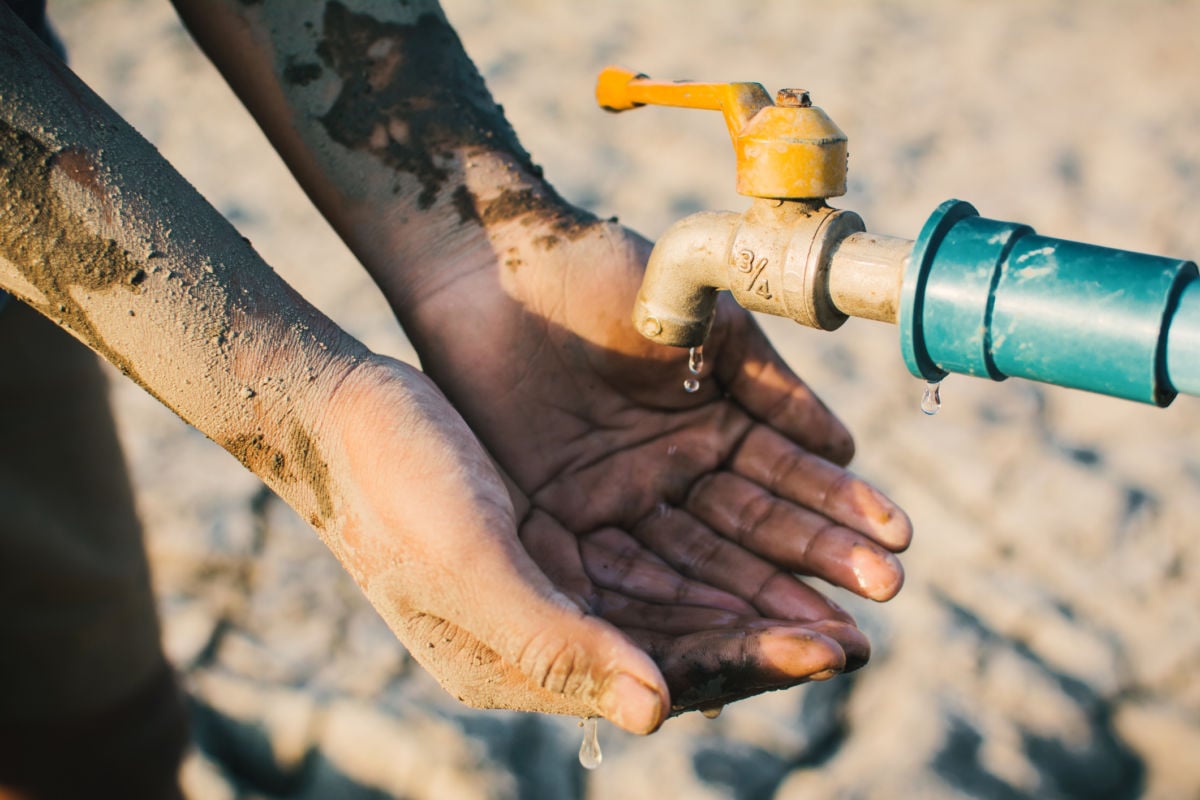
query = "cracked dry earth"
{"x": 1046, "y": 644}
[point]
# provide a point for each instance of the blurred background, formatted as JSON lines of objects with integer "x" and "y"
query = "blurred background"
{"x": 1046, "y": 643}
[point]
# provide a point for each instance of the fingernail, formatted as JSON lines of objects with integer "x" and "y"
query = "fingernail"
{"x": 892, "y": 526}
{"x": 632, "y": 705}
{"x": 825, "y": 675}
{"x": 878, "y": 572}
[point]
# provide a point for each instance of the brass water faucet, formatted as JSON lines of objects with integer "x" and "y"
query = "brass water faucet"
{"x": 777, "y": 256}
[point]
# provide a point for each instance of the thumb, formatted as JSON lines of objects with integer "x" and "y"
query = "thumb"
{"x": 496, "y": 633}
{"x": 561, "y": 649}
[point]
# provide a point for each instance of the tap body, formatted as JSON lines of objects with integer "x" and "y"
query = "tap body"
{"x": 797, "y": 259}
{"x": 774, "y": 258}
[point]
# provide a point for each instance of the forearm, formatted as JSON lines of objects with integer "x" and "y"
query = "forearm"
{"x": 100, "y": 234}
{"x": 388, "y": 126}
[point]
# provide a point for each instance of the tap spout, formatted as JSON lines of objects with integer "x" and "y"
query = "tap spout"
{"x": 678, "y": 298}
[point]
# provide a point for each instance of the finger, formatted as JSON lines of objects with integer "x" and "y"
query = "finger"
{"x": 556, "y": 551}
{"x": 786, "y": 470}
{"x": 628, "y": 612}
{"x": 715, "y": 667}
{"x": 568, "y": 659}
{"x": 854, "y": 643}
{"x": 698, "y": 552}
{"x": 795, "y": 538}
{"x": 759, "y": 380}
{"x": 617, "y": 561}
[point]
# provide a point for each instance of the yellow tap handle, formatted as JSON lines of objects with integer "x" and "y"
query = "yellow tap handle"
{"x": 619, "y": 89}
{"x": 788, "y": 150}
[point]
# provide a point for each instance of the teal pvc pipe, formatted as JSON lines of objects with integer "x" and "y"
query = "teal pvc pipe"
{"x": 1183, "y": 342}
{"x": 994, "y": 299}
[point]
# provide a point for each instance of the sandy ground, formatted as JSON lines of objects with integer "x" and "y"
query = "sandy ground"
{"x": 1046, "y": 644}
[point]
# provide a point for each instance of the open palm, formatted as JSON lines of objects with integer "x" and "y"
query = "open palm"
{"x": 682, "y": 519}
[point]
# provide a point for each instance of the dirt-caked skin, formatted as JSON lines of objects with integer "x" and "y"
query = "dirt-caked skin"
{"x": 99, "y": 234}
{"x": 621, "y": 548}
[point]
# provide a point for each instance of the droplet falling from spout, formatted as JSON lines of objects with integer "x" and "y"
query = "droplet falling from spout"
{"x": 695, "y": 365}
{"x": 589, "y": 752}
{"x": 931, "y": 400}
{"x": 712, "y": 712}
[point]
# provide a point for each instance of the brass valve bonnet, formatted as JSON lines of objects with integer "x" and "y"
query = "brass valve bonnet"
{"x": 791, "y": 153}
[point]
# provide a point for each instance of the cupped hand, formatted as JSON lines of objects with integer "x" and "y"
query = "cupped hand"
{"x": 682, "y": 519}
{"x": 427, "y": 527}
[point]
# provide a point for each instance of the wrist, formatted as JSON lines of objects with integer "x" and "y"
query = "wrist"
{"x": 490, "y": 205}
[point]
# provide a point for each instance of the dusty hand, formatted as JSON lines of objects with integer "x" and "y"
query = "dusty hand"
{"x": 678, "y": 517}
{"x": 427, "y": 527}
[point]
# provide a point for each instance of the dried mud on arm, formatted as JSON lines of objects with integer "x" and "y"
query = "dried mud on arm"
{"x": 102, "y": 236}
{"x": 387, "y": 124}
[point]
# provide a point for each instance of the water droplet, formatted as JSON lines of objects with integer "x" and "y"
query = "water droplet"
{"x": 695, "y": 365}
{"x": 931, "y": 400}
{"x": 712, "y": 712}
{"x": 672, "y": 449}
{"x": 589, "y": 752}
{"x": 663, "y": 510}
